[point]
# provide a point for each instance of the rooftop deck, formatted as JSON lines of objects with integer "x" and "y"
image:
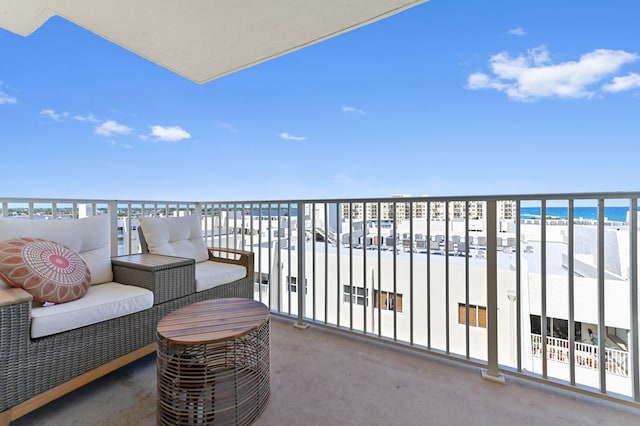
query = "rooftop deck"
{"x": 321, "y": 376}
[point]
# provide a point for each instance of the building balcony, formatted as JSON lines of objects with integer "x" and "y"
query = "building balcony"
{"x": 538, "y": 291}
{"x": 320, "y": 377}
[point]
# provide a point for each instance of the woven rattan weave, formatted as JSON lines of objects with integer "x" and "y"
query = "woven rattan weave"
{"x": 30, "y": 367}
{"x": 213, "y": 363}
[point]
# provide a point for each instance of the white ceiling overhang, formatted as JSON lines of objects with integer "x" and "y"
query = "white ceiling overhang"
{"x": 205, "y": 39}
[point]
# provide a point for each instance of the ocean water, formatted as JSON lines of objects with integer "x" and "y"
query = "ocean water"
{"x": 612, "y": 214}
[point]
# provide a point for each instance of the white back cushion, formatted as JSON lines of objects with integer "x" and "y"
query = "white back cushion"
{"x": 89, "y": 237}
{"x": 175, "y": 236}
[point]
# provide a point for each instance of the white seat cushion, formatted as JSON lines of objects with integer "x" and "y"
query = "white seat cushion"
{"x": 211, "y": 274}
{"x": 175, "y": 236}
{"x": 102, "y": 302}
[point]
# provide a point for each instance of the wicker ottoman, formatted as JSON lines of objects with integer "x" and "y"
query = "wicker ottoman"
{"x": 213, "y": 363}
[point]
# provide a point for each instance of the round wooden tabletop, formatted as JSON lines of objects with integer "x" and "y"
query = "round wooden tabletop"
{"x": 213, "y": 321}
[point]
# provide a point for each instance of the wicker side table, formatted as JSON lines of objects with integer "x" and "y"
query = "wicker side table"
{"x": 168, "y": 277}
{"x": 213, "y": 363}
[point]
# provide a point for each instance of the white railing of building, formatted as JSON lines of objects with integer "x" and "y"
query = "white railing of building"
{"x": 439, "y": 288}
{"x": 617, "y": 361}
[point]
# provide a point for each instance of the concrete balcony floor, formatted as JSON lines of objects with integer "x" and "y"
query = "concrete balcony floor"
{"x": 320, "y": 377}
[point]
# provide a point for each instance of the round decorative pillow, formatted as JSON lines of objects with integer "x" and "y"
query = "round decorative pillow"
{"x": 49, "y": 271}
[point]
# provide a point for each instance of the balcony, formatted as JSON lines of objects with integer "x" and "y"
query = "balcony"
{"x": 535, "y": 290}
{"x": 322, "y": 377}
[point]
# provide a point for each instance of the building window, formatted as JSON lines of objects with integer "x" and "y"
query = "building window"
{"x": 357, "y": 295}
{"x": 293, "y": 285}
{"x": 264, "y": 279}
{"x": 389, "y": 301}
{"x": 477, "y": 315}
{"x": 556, "y": 327}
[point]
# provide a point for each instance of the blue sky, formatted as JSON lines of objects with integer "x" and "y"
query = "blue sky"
{"x": 449, "y": 98}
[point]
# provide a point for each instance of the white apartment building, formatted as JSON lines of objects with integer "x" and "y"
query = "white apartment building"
{"x": 506, "y": 210}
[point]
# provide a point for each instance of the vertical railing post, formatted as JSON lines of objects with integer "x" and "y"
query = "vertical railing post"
{"x": 113, "y": 227}
{"x": 633, "y": 293}
{"x": 447, "y": 323}
{"x": 518, "y": 295}
{"x": 197, "y": 209}
{"x": 572, "y": 292}
{"x": 543, "y": 288}
{"x": 302, "y": 275}
{"x": 602, "y": 330}
{"x": 279, "y": 267}
{"x": 491, "y": 372}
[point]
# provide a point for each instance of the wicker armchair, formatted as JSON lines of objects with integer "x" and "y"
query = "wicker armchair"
{"x": 182, "y": 237}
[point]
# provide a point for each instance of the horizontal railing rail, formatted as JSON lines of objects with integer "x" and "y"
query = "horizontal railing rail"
{"x": 490, "y": 281}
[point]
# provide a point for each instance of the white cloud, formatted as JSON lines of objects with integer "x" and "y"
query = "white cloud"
{"x": 482, "y": 81}
{"x": 90, "y": 118}
{"x": 54, "y": 115}
{"x": 621, "y": 84}
{"x": 6, "y": 99}
{"x": 111, "y": 128}
{"x": 518, "y": 32}
{"x": 349, "y": 109}
{"x": 534, "y": 76}
{"x": 286, "y": 136}
{"x": 169, "y": 134}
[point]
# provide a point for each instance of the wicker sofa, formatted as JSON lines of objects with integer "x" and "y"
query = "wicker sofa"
{"x": 42, "y": 358}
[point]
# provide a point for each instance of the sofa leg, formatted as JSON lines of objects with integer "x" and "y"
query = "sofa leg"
{"x": 5, "y": 418}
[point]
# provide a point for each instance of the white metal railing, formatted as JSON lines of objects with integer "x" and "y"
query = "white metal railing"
{"x": 617, "y": 361}
{"x": 458, "y": 277}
